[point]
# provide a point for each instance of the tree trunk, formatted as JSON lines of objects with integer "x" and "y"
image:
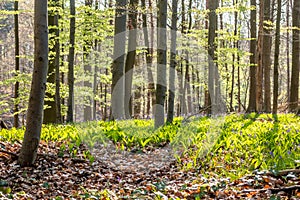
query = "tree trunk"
{"x": 187, "y": 84}
{"x": 61, "y": 63}
{"x": 87, "y": 111}
{"x": 294, "y": 93}
{"x": 131, "y": 56}
{"x": 252, "y": 92}
{"x": 213, "y": 82}
{"x": 276, "y": 58}
{"x": 161, "y": 63}
{"x": 149, "y": 59}
{"x": 32, "y": 135}
{"x": 172, "y": 69}
{"x": 118, "y": 78}
{"x": 259, "y": 68}
{"x": 182, "y": 104}
{"x": 266, "y": 56}
{"x": 57, "y": 69}
{"x": 17, "y": 64}
{"x": 138, "y": 102}
{"x": 232, "y": 84}
{"x": 288, "y": 48}
{"x": 95, "y": 84}
{"x": 50, "y": 113}
{"x": 70, "y": 111}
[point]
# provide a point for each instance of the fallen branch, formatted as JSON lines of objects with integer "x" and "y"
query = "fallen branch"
{"x": 274, "y": 190}
{"x": 199, "y": 112}
{"x": 281, "y": 172}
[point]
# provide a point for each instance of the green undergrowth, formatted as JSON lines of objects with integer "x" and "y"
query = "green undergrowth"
{"x": 230, "y": 146}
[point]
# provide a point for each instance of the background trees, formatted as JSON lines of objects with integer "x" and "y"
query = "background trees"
{"x": 90, "y": 74}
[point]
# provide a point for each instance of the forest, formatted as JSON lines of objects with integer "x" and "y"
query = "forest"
{"x": 149, "y": 99}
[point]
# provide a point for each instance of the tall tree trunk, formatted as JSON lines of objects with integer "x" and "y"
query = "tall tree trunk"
{"x": 294, "y": 93}
{"x": 172, "y": 69}
{"x": 95, "y": 84}
{"x": 266, "y": 56}
{"x": 57, "y": 69}
{"x": 288, "y": 48}
{"x": 276, "y": 58}
{"x": 87, "y": 111}
{"x": 105, "y": 116}
{"x": 32, "y": 135}
{"x": 187, "y": 86}
{"x": 232, "y": 84}
{"x": 17, "y": 64}
{"x": 252, "y": 92}
{"x": 238, "y": 80}
{"x": 95, "y": 72}
{"x": 71, "y": 56}
{"x": 259, "y": 68}
{"x": 149, "y": 59}
{"x": 213, "y": 85}
{"x": 161, "y": 63}
{"x": 50, "y": 113}
{"x": 233, "y": 63}
{"x": 62, "y": 59}
{"x": 131, "y": 56}
{"x": 118, "y": 78}
{"x": 182, "y": 104}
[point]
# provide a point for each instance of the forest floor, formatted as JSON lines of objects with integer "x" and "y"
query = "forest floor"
{"x": 152, "y": 173}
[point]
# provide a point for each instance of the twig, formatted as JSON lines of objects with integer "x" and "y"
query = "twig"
{"x": 10, "y": 153}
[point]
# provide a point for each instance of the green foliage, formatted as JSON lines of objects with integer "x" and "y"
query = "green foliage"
{"x": 249, "y": 142}
{"x": 6, "y": 102}
{"x": 228, "y": 145}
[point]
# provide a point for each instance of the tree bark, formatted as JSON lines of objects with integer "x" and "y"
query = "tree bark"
{"x": 118, "y": 84}
{"x": 294, "y": 93}
{"x": 161, "y": 63}
{"x": 87, "y": 111}
{"x": 32, "y": 135}
{"x": 131, "y": 56}
{"x": 17, "y": 64}
{"x": 70, "y": 112}
{"x": 214, "y": 97}
{"x": 149, "y": 60}
{"x": 171, "y": 98}
{"x": 276, "y": 58}
{"x": 266, "y": 56}
{"x": 288, "y": 48}
{"x": 50, "y": 113}
{"x": 57, "y": 69}
{"x": 252, "y": 92}
{"x": 259, "y": 68}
